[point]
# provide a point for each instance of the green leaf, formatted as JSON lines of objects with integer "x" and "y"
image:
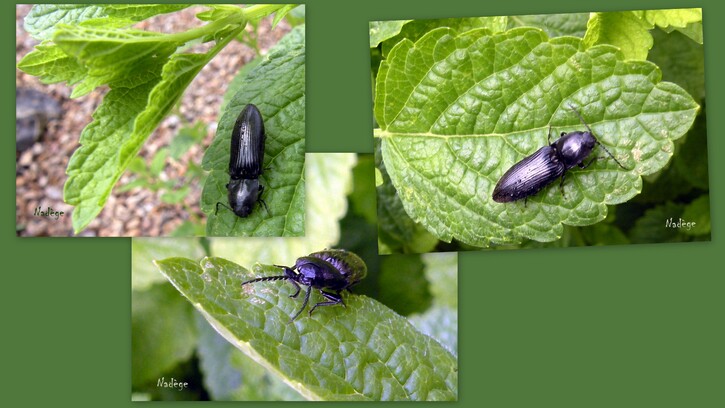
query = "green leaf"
{"x": 691, "y": 163}
{"x": 416, "y": 29}
{"x": 162, "y": 332}
{"x": 122, "y": 124}
{"x": 281, "y": 13}
{"x": 51, "y": 64}
{"x": 682, "y": 61}
{"x": 187, "y": 137}
{"x": 159, "y": 161}
{"x": 441, "y": 323}
{"x": 397, "y": 232}
{"x": 555, "y": 25}
{"x": 229, "y": 375}
{"x": 277, "y": 87}
{"x": 698, "y": 214}
{"x": 361, "y": 352}
{"x": 623, "y": 29}
{"x": 146, "y": 250}
{"x": 383, "y": 30}
{"x": 328, "y": 179}
{"x": 361, "y": 196}
{"x": 441, "y": 270}
{"x": 457, "y": 110}
{"x": 175, "y": 196}
{"x": 402, "y": 284}
{"x": 670, "y": 18}
{"x": 43, "y": 19}
{"x": 658, "y": 224}
{"x": 100, "y": 50}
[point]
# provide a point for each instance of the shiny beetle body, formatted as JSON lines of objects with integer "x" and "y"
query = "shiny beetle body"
{"x": 330, "y": 272}
{"x": 246, "y": 162}
{"x": 538, "y": 170}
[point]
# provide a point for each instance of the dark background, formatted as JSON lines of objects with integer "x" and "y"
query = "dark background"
{"x": 624, "y": 326}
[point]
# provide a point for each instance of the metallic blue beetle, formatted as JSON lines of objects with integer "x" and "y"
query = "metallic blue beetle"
{"x": 538, "y": 170}
{"x": 330, "y": 272}
{"x": 246, "y": 160}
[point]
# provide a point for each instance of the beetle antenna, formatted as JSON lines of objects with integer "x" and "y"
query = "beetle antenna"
{"x": 581, "y": 118}
{"x": 595, "y": 137}
{"x": 266, "y": 278}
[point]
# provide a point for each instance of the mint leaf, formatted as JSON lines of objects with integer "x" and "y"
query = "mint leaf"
{"x": 361, "y": 352}
{"x": 555, "y": 25}
{"x": 397, "y": 232}
{"x": 457, "y": 110}
{"x": 328, "y": 179}
{"x": 51, "y": 64}
{"x": 43, "y": 19}
{"x": 629, "y": 30}
{"x": 145, "y": 250}
{"x": 418, "y": 28}
{"x": 127, "y": 115}
{"x": 383, "y": 30}
{"x": 623, "y": 29}
{"x": 277, "y": 87}
{"x": 229, "y": 375}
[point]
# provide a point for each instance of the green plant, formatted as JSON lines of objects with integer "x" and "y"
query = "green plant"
{"x": 89, "y": 46}
{"x": 339, "y": 353}
{"x": 458, "y": 101}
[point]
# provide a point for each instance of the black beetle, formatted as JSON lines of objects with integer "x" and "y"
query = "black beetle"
{"x": 332, "y": 269}
{"x": 246, "y": 160}
{"x": 538, "y": 170}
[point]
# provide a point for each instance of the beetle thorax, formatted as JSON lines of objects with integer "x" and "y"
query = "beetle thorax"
{"x": 574, "y": 147}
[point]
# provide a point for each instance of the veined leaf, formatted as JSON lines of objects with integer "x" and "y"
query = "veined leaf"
{"x": 361, "y": 352}
{"x": 555, "y": 25}
{"x": 121, "y": 125}
{"x": 383, "y": 30}
{"x": 457, "y": 110}
{"x": 629, "y": 30}
{"x": 43, "y": 19}
{"x": 277, "y": 87}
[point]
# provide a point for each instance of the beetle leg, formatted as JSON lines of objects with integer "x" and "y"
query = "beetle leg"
{"x": 304, "y": 304}
{"x": 296, "y": 286}
{"x": 548, "y": 135}
{"x": 561, "y": 184}
{"x": 334, "y": 299}
{"x": 584, "y": 166}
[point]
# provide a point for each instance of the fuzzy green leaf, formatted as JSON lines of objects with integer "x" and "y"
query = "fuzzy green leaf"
{"x": 230, "y": 375}
{"x": 145, "y": 250}
{"x": 415, "y": 29}
{"x": 127, "y": 115}
{"x": 361, "y": 352}
{"x": 51, "y": 64}
{"x": 397, "y": 232}
{"x": 681, "y": 60}
{"x": 43, "y": 19}
{"x": 457, "y": 110}
{"x": 328, "y": 178}
{"x": 623, "y": 29}
{"x": 383, "y": 30}
{"x": 555, "y": 25}
{"x": 277, "y": 87}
